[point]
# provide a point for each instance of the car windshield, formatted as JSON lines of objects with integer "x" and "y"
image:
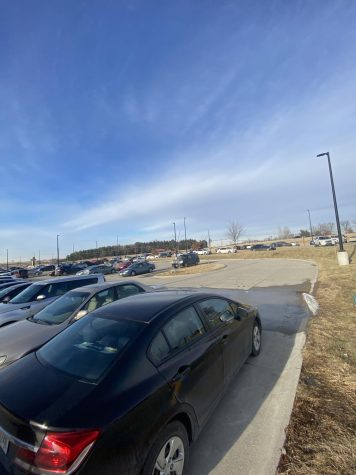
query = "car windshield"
{"x": 61, "y": 309}
{"x": 28, "y": 294}
{"x": 4, "y": 292}
{"x": 86, "y": 349}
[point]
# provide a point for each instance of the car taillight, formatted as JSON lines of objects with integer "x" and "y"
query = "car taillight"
{"x": 57, "y": 452}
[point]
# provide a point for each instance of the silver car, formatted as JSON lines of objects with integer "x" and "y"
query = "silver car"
{"x": 40, "y": 294}
{"x": 22, "y": 337}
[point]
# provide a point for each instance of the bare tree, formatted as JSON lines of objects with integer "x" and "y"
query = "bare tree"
{"x": 324, "y": 229}
{"x": 346, "y": 227}
{"x": 284, "y": 233}
{"x": 234, "y": 231}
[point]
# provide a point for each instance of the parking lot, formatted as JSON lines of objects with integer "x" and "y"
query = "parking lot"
{"x": 246, "y": 433}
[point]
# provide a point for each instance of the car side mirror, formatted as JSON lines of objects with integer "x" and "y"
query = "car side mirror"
{"x": 226, "y": 317}
{"x": 40, "y": 297}
{"x": 80, "y": 314}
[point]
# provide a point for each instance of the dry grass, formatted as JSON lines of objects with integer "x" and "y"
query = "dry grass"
{"x": 321, "y": 436}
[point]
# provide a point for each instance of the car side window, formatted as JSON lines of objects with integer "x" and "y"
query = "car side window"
{"x": 159, "y": 348}
{"x": 217, "y": 311}
{"x": 74, "y": 284}
{"x": 54, "y": 290}
{"x": 183, "y": 328}
{"x": 100, "y": 299}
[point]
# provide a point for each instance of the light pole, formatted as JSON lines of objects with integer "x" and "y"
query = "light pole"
{"x": 117, "y": 246}
{"x": 57, "y": 250}
{"x": 7, "y": 259}
{"x": 341, "y": 245}
{"x": 311, "y": 228}
{"x": 96, "y": 247}
{"x": 185, "y": 236}
{"x": 175, "y": 237}
{"x": 342, "y": 258}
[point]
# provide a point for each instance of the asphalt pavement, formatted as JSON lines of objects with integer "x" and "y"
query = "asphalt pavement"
{"x": 246, "y": 433}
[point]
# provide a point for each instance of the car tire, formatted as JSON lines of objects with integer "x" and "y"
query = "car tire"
{"x": 171, "y": 446}
{"x": 150, "y": 270}
{"x": 133, "y": 273}
{"x": 256, "y": 339}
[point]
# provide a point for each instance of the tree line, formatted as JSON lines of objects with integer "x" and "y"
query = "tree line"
{"x": 135, "y": 249}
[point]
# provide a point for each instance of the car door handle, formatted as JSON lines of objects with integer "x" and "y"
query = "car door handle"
{"x": 224, "y": 339}
{"x": 183, "y": 371}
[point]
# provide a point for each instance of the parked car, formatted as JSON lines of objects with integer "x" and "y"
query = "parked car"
{"x": 203, "y": 252}
{"x": 99, "y": 269}
{"x": 5, "y": 285}
{"x": 226, "y": 250}
{"x": 22, "y": 273}
{"x": 124, "y": 264}
{"x": 6, "y": 294}
{"x": 262, "y": 247}
{"x": 122, "y": 395}
{"x": 47, "y": 269}
{"x": 69, "y": 269}
{"x": 137, "y": 268}
{"x": 281, "y": 244}
{"x": 323, "y": 241}
{"x": 335, "y": 238}
{"x": 30, "y": 334}
{"x": 165, "y": 254}
{"x": 185, "y": 260}
{"x": 40, "y": 294}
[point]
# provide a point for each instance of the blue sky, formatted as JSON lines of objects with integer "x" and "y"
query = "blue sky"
{"x": 119, "y": 117}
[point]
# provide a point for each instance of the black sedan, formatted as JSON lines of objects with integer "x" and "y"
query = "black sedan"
{"x": 125, "y": 389}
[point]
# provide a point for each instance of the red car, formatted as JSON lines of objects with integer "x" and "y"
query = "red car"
{"x": 123, "y": 264}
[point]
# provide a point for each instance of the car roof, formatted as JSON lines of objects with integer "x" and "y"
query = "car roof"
{"x": 65, "y": 279}
{"x": 145, "y": 307}
{"x": 95, "y": 287}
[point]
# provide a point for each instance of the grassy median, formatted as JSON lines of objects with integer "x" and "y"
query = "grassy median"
{"x": 321, "y": 436}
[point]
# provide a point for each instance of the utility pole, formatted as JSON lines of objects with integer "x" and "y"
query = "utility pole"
{"x": 185, "y": 236}
{"x": 117, "y": 246}
{"x": 7, "y": 259}
{"x": 175, "y": 238}
{"x": 57, "y": 250}
{"x": 39, "y": 258}
{"x": 311, "y": 228}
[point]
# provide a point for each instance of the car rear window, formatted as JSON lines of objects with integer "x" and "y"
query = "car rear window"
{"x": 86, "y": 349}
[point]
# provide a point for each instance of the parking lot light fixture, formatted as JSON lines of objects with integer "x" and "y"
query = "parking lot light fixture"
{"x": 311, "y": 228}
{"x": 175, "y": 238}
{"x": 341, "y": 257}
{"x": 57, "y": 250}
{"x": 185, "y": 236}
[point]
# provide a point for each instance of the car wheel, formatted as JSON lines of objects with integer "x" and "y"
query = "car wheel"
{"x": 112, "y": 271}
{"x": 133, "y": 272}
{"x": 170, "y": 452}
{"x": 150, "y": 270}
{"x": 256, "y": 339}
